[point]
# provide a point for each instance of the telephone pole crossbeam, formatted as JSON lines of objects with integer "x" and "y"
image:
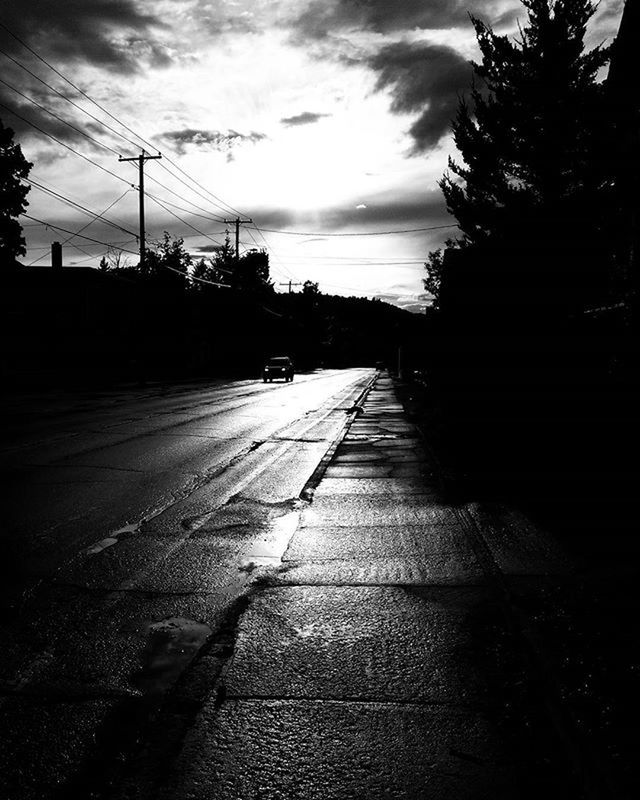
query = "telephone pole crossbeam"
{"x": 237, "y": 222}
{"x": 141, "y": 161}
{"x": 290, "y": 284}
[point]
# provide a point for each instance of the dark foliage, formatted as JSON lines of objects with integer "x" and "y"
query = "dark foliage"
{"x": 533, "y": 178}
{"x": 78, "y": 326}
{"x": 13, "y": 168}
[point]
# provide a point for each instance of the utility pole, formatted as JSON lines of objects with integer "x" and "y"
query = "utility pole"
{"x": 290, "y": 284}
{"x": 237, "y": 222}
{"x": 141, "y": 159}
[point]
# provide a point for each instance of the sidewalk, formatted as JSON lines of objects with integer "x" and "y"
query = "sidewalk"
{"x": 376, "y": 661}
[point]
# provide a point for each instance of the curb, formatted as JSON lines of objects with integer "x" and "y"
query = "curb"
{"x": 317, "y": 475}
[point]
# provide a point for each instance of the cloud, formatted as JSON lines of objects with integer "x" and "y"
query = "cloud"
{"x": 208, "y": 140}
{"x": 305, "y": 118}
{"x": 25, "y": 117}
{"x": 111, "y": 33}
{"x": 323, "y": 18}
{"x": 425, "y": 78}
{"x": 209, "y": 248}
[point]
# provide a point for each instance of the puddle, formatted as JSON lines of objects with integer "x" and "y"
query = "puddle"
{"x": 171, "y": 645}
{"x": 98, "y": 547}
{"x": 109, "y": 541}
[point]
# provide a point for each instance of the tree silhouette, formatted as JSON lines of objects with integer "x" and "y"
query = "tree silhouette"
{"x": 531, "y": 139}
{"x": 13, "y": 167}
{"x": 221, "y": 264}
{"x": 251, "y": 272}
{"x": 310, "y": 288}
{"x": 167, "y": 261}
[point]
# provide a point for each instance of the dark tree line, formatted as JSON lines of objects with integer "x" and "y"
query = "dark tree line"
{"x": 13, "y": 168}
{"x": 534, "y": 352}
{"x": 534, "y": 177}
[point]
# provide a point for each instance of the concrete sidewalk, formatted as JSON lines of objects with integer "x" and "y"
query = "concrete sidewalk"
{"x": 377, "y": 661}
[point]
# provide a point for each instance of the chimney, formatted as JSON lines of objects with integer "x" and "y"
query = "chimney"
{"x": 56, "y": 256}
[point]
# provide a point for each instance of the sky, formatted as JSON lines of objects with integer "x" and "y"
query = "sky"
{"x": 325, "y": 122}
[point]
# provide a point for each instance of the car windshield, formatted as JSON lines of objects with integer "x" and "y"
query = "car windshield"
{"x": 279, "y": 362}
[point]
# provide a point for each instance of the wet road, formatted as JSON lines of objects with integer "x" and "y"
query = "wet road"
{"x": 131, "y": 524}
{"x": 75, "y": 479}
{"x": 196, "y": 617}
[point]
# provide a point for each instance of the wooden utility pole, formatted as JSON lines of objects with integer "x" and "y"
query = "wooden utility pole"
{"x": 290, "y": 284}
{"x": 237, "y": 222}
{"x": 141, "y": 159}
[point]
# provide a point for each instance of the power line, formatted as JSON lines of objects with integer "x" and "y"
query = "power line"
{"x": 360, "y": 233}
{"x": 60, "y": 119}
{"x": 209, "y": 217}
{"x": 110, "y": 115}
{"x": 101, "y": 217}
{"x": 82, "y": 208}
{"x": 77, "y": 88}
{"x": 84, "y": 94}
{"x": 224, "y": 204}
{"x": 194, "y": 278}
{"x": 191, "y": 189}
{"x": 66, "y": 230}
{"x": 184, "y": 221}
{"x": 68, "y": 147}
{"x": 68, "y": 99}
{"x": 281, "y": 266}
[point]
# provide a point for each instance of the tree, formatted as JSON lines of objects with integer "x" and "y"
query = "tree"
{"x": 251, "y": 272}
{"x": 222, "y": 263}
{"x": 167, "y": 261}
{"x": 114, "y": 259}
{"x": 13, "y": 168}
{"x": 531, "y": 138}
{"x": 310, "y": 288}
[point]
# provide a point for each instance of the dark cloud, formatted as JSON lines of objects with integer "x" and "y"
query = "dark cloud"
{"x": 56, "y": 118}
{"x": 384, "y": 212}
{"x": 208, "y": 140}
{"x": 322, "y": 18}
{"x": 112, "y": 33}
{"x": 425, "y": 78}
{"x": 411, "y": 212}
{"x": 306, "y": 118}
{"x": 209, "y": 248}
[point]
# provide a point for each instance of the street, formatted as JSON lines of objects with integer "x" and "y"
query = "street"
{"x": 260, "y": 591}
{"x": 126, "y": 512}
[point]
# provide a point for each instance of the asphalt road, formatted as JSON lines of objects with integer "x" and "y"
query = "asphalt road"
{"x": 76, "y": 476}
{"x": 191, "y": 609}
{"x": 131, "y": 522}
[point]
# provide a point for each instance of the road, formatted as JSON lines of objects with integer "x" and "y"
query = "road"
{"x": 76, "y": 478}
{"x": 130, "y": 526}
{"x": 191, "y": 608}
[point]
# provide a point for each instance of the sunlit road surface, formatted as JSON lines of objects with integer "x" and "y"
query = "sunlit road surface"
{"x": 77, "y": 482}
{"x": 128, "y": 530}
{"x": 190, "y": 616}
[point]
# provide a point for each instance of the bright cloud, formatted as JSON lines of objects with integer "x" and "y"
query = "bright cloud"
{"x": 290, "y": 111}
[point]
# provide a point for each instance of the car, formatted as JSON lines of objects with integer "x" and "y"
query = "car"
{"x": 278, "y": 367}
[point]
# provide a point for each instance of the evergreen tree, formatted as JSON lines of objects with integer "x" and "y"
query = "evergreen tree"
{"x": 13, "y": 167}
{"x": 223, "y": 262}
{"x": 251, "y": 272}
{"x": 165, "y": 262}
{"x": 531, "y": 138}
